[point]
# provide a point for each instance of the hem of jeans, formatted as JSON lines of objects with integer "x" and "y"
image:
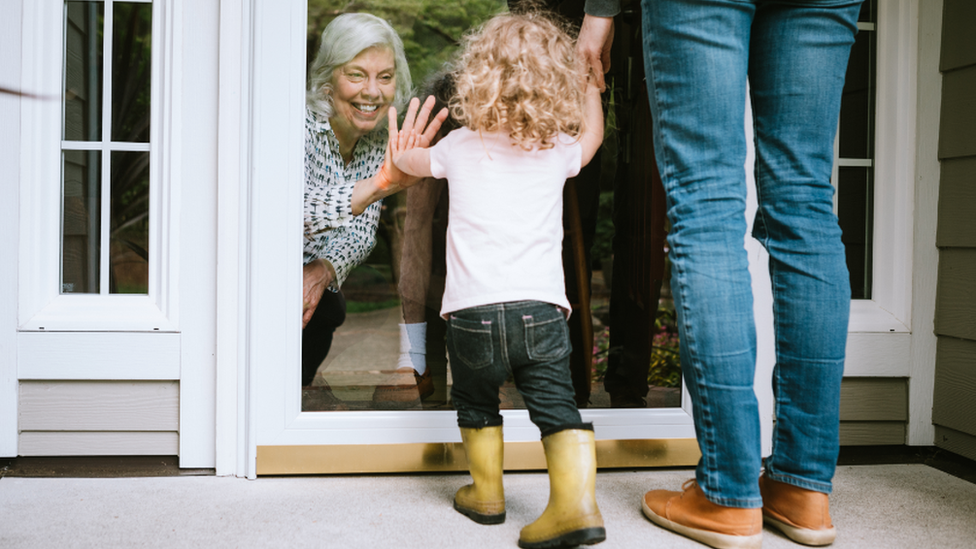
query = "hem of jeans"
{"x": 567, "y": 427}
{"x": 493, "y": 422}
{"x": 739, "y": 503}
{"x": 814, "y": 486}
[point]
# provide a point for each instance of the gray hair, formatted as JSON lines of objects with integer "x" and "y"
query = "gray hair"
{"x": 342, "y": 40}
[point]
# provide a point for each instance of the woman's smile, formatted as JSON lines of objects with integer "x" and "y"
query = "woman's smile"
{"x": 362, "y": 91}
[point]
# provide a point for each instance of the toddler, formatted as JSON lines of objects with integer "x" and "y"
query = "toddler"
{"x": 528, "y": 124}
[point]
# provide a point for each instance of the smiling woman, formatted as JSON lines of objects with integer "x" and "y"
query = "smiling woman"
{"x": 360, "y": 71}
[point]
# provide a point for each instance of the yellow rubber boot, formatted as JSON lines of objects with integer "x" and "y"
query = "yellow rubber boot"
{"x": 483, "y": 501}
{"x": 571, "y": 518}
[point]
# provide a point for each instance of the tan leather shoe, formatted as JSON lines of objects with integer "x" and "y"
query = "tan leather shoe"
{"x": 405, "y": 387}
{"x": 483, "y": 501}
{"x": 803, "y": 515}
{"x": 691, "y": 514}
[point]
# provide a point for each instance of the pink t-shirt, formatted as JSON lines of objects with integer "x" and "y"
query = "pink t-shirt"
{"x": 505, "y": 225}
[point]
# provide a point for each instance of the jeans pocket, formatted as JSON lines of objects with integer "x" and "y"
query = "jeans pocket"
{"x": 472, "y": 341}
{"x": 546, "y": 338}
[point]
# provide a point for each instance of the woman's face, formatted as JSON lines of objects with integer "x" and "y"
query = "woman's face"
{"x": 362, "y": 91}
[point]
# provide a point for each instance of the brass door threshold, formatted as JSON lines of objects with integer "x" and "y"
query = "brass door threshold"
{"x": 449, "y": 456}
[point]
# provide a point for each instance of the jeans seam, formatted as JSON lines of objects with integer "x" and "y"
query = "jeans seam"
{"x": 503, "y": 339}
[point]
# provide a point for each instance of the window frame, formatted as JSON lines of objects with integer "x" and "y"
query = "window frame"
{"x": 42, "y": 306}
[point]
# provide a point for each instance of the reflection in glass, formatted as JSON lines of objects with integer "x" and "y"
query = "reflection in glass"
{"x": 856, "y": 130}
{"x": 131, "y": 71}
{"x": 129, "y": 238}
{"x": 84, "y": 25}
{"x": 855, "y": 207}
{"x": 80, "y": 222}
{"x": 402, "y": 281}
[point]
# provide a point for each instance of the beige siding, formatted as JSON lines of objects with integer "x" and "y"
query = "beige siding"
{"x": 955, "y": 385}
{"x": 117, "y": 443}
{"x": 957, "y": 203}
{"x": 873, "y": 411}
{"x": 874, "y": 399}
{"x": 957, "y": 138}
{"x": 873, "y": 433}
{"x": 958, "y": 38}
{"x": 955, "y": 308}
{"x": 953, "y": 411}
{"x": 58, "y": 418}
{"x": 954, "y": 441}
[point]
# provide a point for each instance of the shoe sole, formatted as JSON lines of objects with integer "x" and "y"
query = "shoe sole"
{"x": 806, "y": 536}
{"x": 584, "y": 536}
{"x": 478, "y": 517}
{"x": 713, "y": 539}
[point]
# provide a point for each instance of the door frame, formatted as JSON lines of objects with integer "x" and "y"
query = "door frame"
{"x": 259, "y": 280}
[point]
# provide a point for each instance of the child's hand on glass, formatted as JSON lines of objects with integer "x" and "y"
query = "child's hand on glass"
{"x": 416, "y": 132}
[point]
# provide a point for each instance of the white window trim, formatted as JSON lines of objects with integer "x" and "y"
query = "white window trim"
{"x": 41, "y": 306}
{"x": 889, "y": 309}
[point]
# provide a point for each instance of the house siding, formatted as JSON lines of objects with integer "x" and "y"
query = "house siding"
{"x": 59, "y": 418}
{"x": 954, "y": 410}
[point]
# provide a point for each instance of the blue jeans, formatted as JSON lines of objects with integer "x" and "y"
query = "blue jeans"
{"x": 528, "y": 340}
{"x": 698, "y": 56}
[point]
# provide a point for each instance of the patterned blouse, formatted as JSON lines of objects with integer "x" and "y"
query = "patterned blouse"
{"x": 332, "y": 233}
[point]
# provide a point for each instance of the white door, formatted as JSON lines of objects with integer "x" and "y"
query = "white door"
{"x": 265, "y": 283}
{"x": 114, "y": 271}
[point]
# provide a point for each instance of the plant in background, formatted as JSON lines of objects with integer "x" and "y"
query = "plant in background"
{"x": 601, "y": 352}
{"x": 665, "y": 368}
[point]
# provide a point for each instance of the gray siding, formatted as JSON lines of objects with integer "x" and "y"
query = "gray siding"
{"x": 954, "y": 412}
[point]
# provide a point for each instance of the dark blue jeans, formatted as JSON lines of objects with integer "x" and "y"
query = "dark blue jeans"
{"x": 526, "y": 339}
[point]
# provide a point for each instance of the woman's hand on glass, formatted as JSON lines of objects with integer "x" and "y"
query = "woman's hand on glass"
{"x": 418, "y": 130}
{"x": 316, "y": 277}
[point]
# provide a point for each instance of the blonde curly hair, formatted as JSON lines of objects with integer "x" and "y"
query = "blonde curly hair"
{"x": 519, "y": 72}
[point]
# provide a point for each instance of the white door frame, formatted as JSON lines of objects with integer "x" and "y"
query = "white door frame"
{"x": 259, "y": 280}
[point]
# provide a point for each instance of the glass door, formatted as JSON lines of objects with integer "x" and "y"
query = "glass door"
{"x": 366, "y": 408}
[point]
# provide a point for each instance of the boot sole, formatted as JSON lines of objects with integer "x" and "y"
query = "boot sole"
{"x": 584, "y": 536}
{"x": 806, "y": 536}
{"x": 713, "y": 539}
{"x": 478, "y": 517}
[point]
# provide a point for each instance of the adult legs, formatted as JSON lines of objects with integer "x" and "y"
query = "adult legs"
{"x": 317, "y": 335}
{"x": 696, "y": 59}
{"x": 796, "y": 87}
{"x": 795, "y": 54}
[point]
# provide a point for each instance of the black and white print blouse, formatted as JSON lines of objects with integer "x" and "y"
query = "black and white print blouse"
{"x": 332, "y": 233}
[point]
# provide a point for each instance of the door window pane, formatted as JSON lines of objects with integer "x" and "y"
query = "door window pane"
{"x": 855, "y": 151}
{"x": 131, "y": 64}
{"x": 854, "y": 210}
{"x": 81, "y": 221}
{"x": 129, "y": 240}
{"x": 84, "y": 26}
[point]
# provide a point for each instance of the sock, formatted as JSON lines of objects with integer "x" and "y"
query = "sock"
{"x": 413, "y": 347}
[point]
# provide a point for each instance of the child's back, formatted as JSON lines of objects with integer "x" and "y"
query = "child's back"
{"x": 504, "y": 240}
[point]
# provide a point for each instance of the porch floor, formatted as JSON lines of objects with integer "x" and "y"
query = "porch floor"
{"x": 889, "y": 505}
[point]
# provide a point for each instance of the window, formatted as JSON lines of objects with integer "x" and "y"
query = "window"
{"x": 100, "y": 180}
{"x": 854, "y": 155}
{"x": 105, "y": 147}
